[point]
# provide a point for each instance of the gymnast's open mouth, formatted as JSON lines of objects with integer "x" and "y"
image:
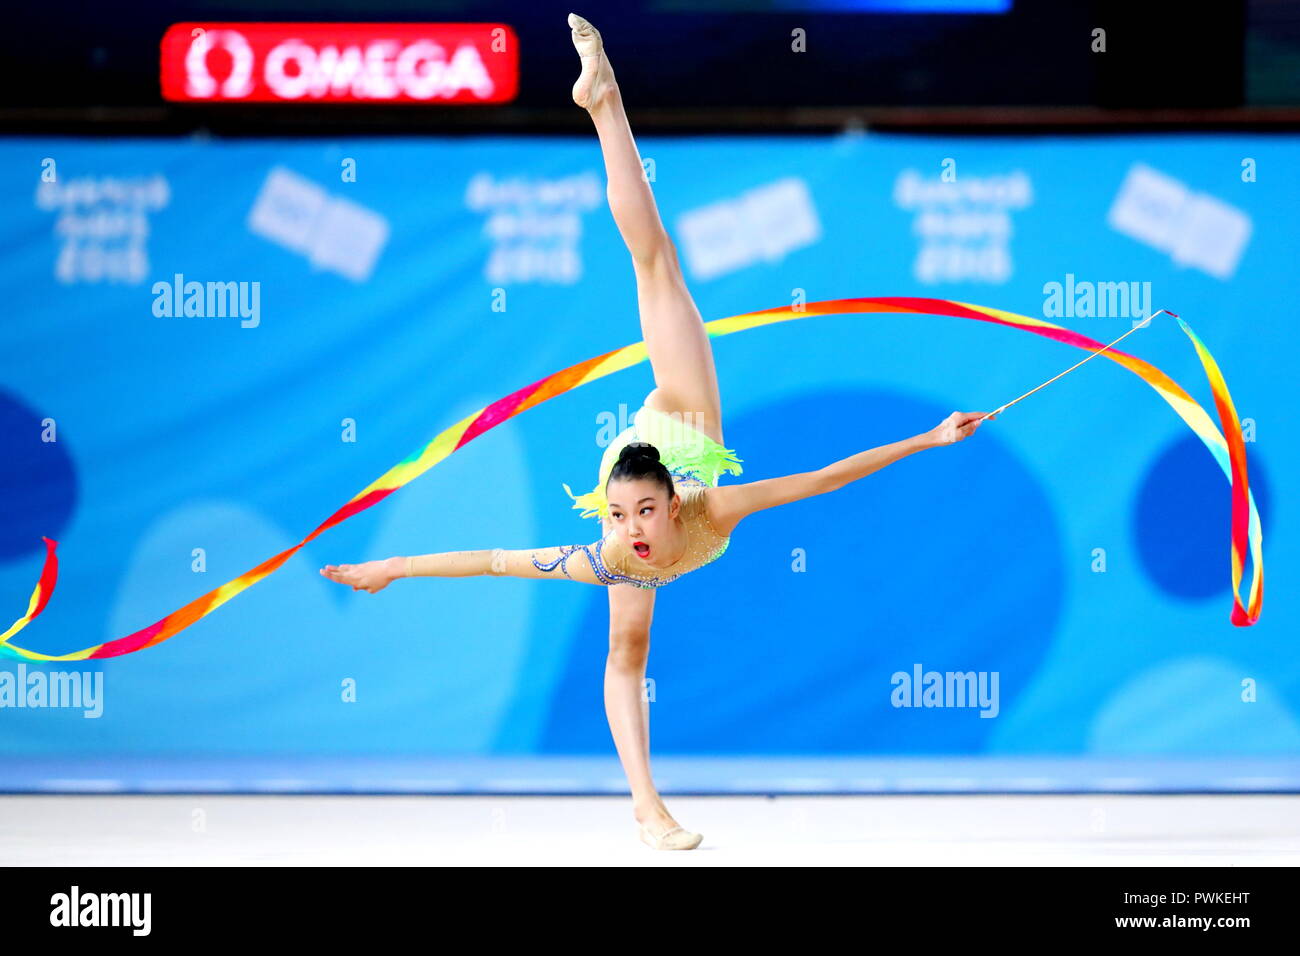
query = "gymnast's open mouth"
{"x": 641, "y": 548}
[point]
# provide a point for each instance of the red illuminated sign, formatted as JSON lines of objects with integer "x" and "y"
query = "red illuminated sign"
{"x": 340, "y": 63}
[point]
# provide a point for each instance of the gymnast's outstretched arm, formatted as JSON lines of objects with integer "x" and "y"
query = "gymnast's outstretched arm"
{"x": 726, "y": 505}
{"x": 564, "y": 563}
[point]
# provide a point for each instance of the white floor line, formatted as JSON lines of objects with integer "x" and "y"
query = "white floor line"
{"x": 221, "y": 829}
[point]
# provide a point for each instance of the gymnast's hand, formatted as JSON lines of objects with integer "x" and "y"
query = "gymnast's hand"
{"x": 372, "y": 576}
{"x": 957, "y": 426}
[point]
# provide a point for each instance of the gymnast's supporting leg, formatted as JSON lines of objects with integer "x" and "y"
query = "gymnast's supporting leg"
{"x": 680, "y": 352}
{"x": 626, "y": 706}
{"x": 631, "y": 610}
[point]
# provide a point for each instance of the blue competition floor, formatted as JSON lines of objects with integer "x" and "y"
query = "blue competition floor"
{"x": 674, "y": 775}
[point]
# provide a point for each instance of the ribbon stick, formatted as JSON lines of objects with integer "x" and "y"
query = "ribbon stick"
{"x": 1229, "y": 453}
{"x": 1141, "y": 325}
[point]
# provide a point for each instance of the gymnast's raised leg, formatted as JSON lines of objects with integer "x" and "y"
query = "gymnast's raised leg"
{"x": 686, "y": 383}
{"x": 680, "y": 352}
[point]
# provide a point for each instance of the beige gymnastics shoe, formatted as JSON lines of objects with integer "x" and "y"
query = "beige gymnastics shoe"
{"x": 678, "y": 838}
{"x": 597, "y": 77}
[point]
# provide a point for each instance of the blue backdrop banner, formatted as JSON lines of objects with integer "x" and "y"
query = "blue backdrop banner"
{"x": 212, "y": 345}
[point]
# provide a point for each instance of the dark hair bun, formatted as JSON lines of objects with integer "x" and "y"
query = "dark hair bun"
{"x": 639, "y": 460}
{"x": 637, "y": 450}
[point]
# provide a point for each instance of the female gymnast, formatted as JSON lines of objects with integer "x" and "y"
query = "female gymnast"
{"x": 662, "y": 510}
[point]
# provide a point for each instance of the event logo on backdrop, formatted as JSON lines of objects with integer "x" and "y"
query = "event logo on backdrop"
{"x": 1195, "y": 229}
{"x": 534, "y": 224}
{"x": 963, "y": 223}
{"x": 764, "y": 224}
{"x": 331, "y": 232}
{"x": 102, "y": 224}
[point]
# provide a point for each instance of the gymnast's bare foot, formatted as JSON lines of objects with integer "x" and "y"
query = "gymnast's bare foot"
{"x": 657, "y": 828}
{"x": 596, "y": 84}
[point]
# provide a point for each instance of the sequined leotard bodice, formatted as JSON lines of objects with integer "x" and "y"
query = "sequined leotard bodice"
{"x": 616, "y": 563}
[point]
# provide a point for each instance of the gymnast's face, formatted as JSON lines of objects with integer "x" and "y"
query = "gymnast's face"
{"x": 642, "y": 515}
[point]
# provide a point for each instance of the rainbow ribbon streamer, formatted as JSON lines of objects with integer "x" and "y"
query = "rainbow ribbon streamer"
{"x": 1230, "y": 453}
{"x": 40, "y": 596}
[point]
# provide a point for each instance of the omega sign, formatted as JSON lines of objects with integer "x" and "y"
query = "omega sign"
{"x": 340, "y": 62}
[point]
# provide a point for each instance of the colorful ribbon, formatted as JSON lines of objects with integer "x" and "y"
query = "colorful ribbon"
{"x": 40, "y": 594}
{"x": 1230, "y": 453}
